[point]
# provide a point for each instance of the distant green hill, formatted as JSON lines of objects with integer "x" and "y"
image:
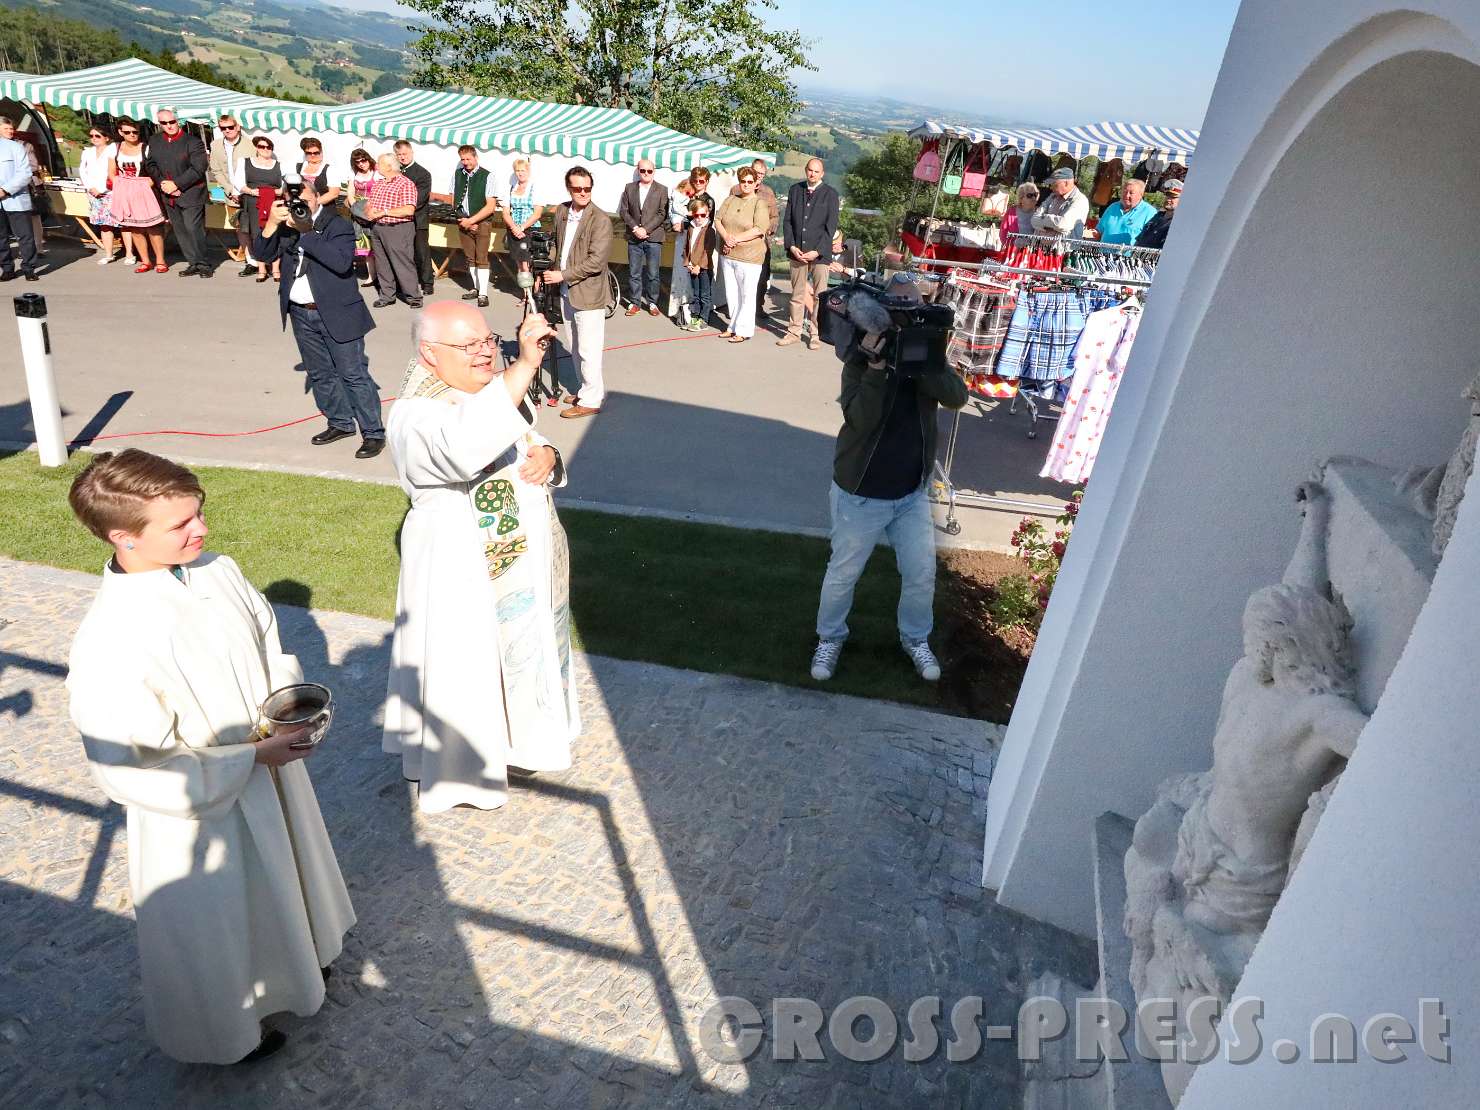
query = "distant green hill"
{"x": 300, "y": 50}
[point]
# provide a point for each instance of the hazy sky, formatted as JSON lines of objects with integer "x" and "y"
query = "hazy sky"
{"x": 1100, "y": 60}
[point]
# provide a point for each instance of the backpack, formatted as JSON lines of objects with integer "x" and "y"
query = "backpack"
{"x": 928, "y": 166}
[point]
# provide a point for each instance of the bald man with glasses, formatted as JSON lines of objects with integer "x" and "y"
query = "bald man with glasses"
{"x": 644, "y": 211}
{"x": 178, "y": 163}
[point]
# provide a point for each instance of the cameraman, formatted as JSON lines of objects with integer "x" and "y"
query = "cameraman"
{"x": 884, "y": 455}
{"x": 583, "y": 236}
{"x": 321, "y": 295}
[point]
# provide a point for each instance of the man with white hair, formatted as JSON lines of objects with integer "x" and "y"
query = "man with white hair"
{"x": 1124, "y": 219}
{"x": 1064, "y": 210}
{"x": 481, "y": 683}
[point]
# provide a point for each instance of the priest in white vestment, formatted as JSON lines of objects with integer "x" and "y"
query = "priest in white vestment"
{"x": 481, "y": 680}
{"x": 237, "y": 893}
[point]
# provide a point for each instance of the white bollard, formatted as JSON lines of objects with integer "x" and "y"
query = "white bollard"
{"x": 41, "y": 383}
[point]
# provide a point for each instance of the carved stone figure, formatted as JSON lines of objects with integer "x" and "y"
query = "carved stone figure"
{"x": 1198, "y": 898}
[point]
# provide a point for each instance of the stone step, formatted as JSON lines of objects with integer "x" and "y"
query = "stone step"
{"x": 1058, "y": 1081}
{"x": 1135, "y": 1083}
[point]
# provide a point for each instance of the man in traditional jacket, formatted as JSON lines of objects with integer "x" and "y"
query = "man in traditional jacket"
{"x": 474, "y": 203}
{"x": 237, "y": 894}
{"x": 481, "y": 682}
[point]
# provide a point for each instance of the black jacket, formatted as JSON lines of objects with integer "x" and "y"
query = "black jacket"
{"x": 1154, "y": 234}
{"x": 811, "y": 225}
{"x": 866, "y": 399}
{"x": 184, "y": 162}
{"x": 421, "y": 177}
{"x": 330, "y": 249}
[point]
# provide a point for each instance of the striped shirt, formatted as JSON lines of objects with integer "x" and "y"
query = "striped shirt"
{"x": 395, "y": 192}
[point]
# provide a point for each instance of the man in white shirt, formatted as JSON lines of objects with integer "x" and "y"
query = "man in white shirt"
{"x": 228, "y": 149}
{"x": 1064, "y": 210}
{"x": 644, "y": 211}
{"x": 320, "y": 294}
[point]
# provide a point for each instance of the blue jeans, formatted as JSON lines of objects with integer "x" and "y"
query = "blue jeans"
{"x": 339, "y": 375}
{"x": 643, "y": 260}
{"x": 701, "y": 295}
{"x": 858, "y": 524}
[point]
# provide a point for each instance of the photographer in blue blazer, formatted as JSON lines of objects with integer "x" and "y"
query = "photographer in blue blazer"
{"x": 15, "y": 204}
{"x": 321, "y": 296}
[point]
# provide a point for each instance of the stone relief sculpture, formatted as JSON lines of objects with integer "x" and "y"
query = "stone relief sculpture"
{"x": 1210, "y": 859}
{"x": 1212, "y": 856}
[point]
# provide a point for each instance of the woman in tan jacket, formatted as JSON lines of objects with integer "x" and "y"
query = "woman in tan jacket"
{"x": 741, "y": 227}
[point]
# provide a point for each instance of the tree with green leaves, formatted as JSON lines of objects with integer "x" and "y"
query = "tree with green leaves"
{"x": 883, "y": 181}
{"x": 713, "y": 70}
{"x": 36, "y": 42}
{"x": 387, "y": 83}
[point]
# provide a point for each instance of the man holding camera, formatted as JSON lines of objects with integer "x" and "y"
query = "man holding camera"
{"x": 583, "y": 235}
{"x": 883, "y": 459}
{"x": 320, "y": 294}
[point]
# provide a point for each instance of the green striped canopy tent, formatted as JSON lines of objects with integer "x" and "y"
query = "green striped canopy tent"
{"x": 136, "y": 88}
{"x": 492, "y": 123}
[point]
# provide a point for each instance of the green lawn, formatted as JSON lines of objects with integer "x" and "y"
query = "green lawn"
{"x": 704, "y": 597}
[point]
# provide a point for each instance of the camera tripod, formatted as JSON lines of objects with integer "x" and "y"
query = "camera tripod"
{"x": 547, "y": 303}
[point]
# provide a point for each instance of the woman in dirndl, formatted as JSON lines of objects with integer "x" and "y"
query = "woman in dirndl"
{"x": 133, "y": 205}
{"x": 94, "y": 172}
{"x": 363, "y": 178}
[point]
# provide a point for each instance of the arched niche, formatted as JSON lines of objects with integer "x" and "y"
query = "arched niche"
{"x": 1341, "y": 322}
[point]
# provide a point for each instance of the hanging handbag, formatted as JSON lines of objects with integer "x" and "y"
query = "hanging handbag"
{"x": 955, "y": 168}
{"x": 993, "y": 239}
{"x": 994, "y": 201}
{"x": 974, "y": 180}
{"x": 928, "y": 166}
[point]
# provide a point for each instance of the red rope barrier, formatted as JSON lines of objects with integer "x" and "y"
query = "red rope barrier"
{"x": 316, "y": 416}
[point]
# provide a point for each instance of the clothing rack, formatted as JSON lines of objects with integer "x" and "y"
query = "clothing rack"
{"x": 943, "y": 490}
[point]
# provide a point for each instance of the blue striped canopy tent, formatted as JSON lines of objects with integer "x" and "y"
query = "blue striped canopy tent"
{"x": 135, "y": 88}
{"x": 490, "y": 123}
{"x": 1131, "y": 142}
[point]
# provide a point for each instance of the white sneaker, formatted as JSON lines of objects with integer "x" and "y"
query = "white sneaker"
{"x": 107, "y": 258}
{"x": 926, "y": 664}
{"x": 130, "y": 260}
{"x": 825, "y": 659}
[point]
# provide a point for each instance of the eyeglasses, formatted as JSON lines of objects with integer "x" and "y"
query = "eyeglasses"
{"x": 169, "y": 123}
{"x": 230, "y": 127}
{"x": 469, "y": 348}
{"x": 575, "y": 189}
{"x": 313, "y": 153}
{"x": 127, "y": 131}
{"x": 643, "y": 171}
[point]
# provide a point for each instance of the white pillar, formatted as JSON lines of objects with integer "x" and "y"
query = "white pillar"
{"x": 41, "y": 383}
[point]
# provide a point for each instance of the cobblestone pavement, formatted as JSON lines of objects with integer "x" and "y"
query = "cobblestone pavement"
{"x": 716, "y": 837}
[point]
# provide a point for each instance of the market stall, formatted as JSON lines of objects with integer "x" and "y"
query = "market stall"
{"x": 985, "y": 163}
{"x": 608, "y": 141}
{"x": 1042, "y": 321}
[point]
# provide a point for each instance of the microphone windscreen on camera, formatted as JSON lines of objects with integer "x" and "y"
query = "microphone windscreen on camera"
{"x": 867, "y": 314}
{"x": 525, "y": 279}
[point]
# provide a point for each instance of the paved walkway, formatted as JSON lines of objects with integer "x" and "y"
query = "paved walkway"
{"x": 693, "y": 426}
{"x": 716, "y": 837}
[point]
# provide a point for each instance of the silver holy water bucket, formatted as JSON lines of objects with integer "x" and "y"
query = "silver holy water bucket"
{"x": 303, "y": 703}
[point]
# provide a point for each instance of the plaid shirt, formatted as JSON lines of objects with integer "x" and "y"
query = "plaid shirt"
{"x": 982, "y": 315}
{"x": 1039, "y": 345}
{"x": 397, "y": 192}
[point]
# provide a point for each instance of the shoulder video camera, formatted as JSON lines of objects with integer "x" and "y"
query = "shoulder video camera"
{"x": 541, "y": 245}
{"x": 891, "y": 326}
